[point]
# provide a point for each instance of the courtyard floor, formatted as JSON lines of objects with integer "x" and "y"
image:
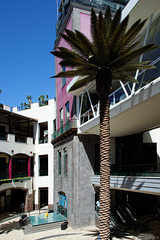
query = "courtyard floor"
{"x": 10, "y": 229}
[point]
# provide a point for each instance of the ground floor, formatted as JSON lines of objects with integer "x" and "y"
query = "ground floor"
{"x": 10, "y": 229}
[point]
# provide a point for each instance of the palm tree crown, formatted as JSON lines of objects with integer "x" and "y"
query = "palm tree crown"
{"x": 112, "y": 50}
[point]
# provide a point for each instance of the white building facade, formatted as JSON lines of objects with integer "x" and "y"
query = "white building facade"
{"x": 28, "y": 145}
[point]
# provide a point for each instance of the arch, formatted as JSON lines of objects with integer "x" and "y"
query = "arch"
{"x": 62, "y": 204}
{"x": 4, "y": 165}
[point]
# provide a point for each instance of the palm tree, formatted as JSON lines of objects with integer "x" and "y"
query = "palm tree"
{"x": 107, "y": 57}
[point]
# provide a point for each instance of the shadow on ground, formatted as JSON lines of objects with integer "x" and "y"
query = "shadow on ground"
{"x": 10, "y": 226}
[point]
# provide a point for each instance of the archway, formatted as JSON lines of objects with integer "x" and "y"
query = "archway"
{"x": 62, "y": 204}
{"x": 18, "y": 196}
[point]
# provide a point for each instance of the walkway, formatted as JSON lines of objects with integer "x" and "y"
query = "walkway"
{"x": 11, "y": 230}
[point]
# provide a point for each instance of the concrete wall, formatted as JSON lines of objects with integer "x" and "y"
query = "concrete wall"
{"x": 78, "y": 184}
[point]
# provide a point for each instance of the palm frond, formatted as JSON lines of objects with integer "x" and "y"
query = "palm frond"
{"x": 74, "y": 44}
{"x": 93, "y": 22}
{"x": 133, "y": 32}
{"x": 123, "y": 77}
{"x": 108, "y": 17}
{"x": 115, "y": 22}
{"x": 134, "y": 66}
{"x": 132, "y": 55}
{"x": 82, "y": 83}
{"x": 65, "y": 53}
{"x": 71, "y": 34}
{"x": 87, "y": 45}
{"x": 117, "y": 38}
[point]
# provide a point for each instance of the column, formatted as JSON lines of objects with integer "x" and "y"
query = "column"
{"x": 10, "y": 168}
{"x": 29, "y": 166}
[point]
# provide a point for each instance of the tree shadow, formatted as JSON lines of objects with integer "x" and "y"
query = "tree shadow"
{"x": 9, "y": 226}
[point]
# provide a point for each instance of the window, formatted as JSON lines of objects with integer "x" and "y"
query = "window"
{"x": 43, "y": 132}
{"x": 43, "y": 168}
{"x": 67, "y": 114}
{"x": 63, "y": 78}
{"x": 59, "y": 163}
{"x": 54, "y": 125}
{"x": 61, "y": 117}
{"x": 65, "y": 155}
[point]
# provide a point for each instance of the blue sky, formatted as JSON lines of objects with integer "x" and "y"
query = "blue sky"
{"x": 27, "y": 35}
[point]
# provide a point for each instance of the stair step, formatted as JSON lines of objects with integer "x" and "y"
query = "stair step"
{"x": 27, "y": 229}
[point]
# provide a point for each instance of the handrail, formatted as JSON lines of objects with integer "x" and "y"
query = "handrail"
{"x": 68, "y": 125}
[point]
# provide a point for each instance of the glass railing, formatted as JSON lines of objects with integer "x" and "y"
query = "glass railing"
{"x": 22, "y": 107}
{"x": 118, "y": 95}
{"x": 43, "y": 140}
{"x": 145, "y": 170}
{"x": 4, "y": 176}
{"x": 3, "y": 136}
{"x": 68, "y": 125}
{"x": 20, "y": 139}
{"x": 19, "y": 174}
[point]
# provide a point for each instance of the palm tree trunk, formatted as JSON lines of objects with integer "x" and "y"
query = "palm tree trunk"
{"x": 105, "y": 156}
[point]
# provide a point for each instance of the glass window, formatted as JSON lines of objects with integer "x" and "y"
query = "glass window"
{"x": 63, "y": 78}
{"x": 61, "y": 117}
{"x": 65, "y": 155}
{"x": 59, "y": 163}
{"x": 67, "y": 114}
{"x": 43, "y": 127}
{"x": 43, "y": 162}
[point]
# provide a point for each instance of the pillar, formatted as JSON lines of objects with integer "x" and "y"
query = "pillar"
{"x": 29, "y": 166}
{"x": 10, "y": 168}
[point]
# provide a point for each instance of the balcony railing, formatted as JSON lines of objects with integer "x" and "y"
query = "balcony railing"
{"x": 70, "y": 124}
{"x": 19, "y": 174}
{"x": 4, "y": 176}
{"x": 43, "y": 140}
{"x": 135, "y": 170}
{"x": 20, "y": 139}
{"x": 3, "y": 136}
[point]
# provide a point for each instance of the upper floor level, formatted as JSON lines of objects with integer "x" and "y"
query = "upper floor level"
{"x": 64, "y": 8}
{"x": 127, "y": 101}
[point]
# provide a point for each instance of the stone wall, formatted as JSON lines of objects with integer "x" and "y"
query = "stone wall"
{"x": 77, "y": 186}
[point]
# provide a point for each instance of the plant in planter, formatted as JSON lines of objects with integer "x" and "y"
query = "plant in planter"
{"x": 43, "y": 100}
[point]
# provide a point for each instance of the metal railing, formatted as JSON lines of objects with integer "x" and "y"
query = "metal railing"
{"x": 68, "y": 125}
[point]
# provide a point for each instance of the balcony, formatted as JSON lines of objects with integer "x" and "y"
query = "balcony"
{"x": 143, "y": 178}
{"x": 67, "y": 129}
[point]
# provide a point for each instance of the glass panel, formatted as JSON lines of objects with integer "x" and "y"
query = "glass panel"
{"x": 61, "y": 117}
{"x": 63, "y": 78}
{"x": 67, "y": 114}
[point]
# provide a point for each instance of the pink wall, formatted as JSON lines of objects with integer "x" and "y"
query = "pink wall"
{"x": 85, "y": 25}
{"x": 62, "y": 96}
